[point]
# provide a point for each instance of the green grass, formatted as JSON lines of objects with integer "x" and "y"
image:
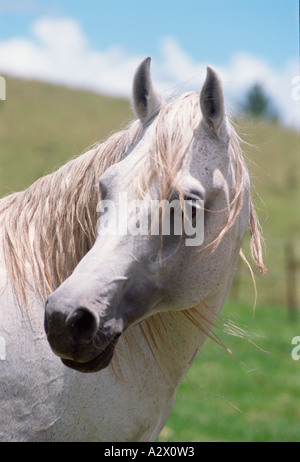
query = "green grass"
{"x": 254, "y": 400}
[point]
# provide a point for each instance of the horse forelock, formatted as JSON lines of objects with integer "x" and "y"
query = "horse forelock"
{"x": 173, "y": 132}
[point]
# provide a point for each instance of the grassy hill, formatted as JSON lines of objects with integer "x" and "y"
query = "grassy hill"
{"x": 42, "y": 126}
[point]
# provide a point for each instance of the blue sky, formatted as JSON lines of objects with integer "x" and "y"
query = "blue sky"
{"x": 210, "y": 30}
{"x": 246, "y": 40}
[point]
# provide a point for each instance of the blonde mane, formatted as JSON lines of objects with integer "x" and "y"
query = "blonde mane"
{"x": 49, "y": 227}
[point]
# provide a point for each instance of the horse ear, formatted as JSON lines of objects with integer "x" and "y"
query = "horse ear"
{"x": 146, "y": 100}
{"x": 212, "y": 101}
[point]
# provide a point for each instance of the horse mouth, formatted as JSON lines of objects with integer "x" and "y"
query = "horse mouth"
{"x": 100, "y": 362}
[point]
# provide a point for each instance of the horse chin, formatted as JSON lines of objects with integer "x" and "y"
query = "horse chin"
{"x": 100, "y": 362}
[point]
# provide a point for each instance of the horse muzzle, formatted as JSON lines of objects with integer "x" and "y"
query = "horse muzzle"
{"x": 75, "y": 335}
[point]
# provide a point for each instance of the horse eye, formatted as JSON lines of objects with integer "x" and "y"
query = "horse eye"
{"x": 194, "y": 202}
{"x": 191, "y": 203}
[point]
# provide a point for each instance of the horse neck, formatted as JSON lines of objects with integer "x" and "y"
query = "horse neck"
{"x": 162, "y": 348}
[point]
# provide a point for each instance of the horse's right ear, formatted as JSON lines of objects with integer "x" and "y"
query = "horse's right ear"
{"x": 212, "y": 101}
{"x": 146, "y": 100}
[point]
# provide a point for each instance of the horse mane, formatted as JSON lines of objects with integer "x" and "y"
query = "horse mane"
{"x": 49, "y": 227}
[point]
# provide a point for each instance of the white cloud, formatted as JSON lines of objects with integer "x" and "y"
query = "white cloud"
{"x": 245, "y": 70}
{"x": 59, "y": 52}
{"x": 61, "y": 36}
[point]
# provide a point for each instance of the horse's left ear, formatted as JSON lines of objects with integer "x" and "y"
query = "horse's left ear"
{"x": 212, "y": 101}
{"x": 146, "y": 100}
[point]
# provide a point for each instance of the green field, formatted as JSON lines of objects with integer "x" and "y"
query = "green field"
{"x": 258, "y": 399}
{"x": 255, "y": 398}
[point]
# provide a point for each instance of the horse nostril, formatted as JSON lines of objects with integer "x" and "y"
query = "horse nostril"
{"x": 83, "y": 324}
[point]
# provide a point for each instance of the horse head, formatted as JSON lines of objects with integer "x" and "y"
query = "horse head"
{"x": 145, "y": 260}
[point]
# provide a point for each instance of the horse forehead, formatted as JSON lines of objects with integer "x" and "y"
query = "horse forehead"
{"x": 203, "y": 156}
{"x": 207, "y": 159}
